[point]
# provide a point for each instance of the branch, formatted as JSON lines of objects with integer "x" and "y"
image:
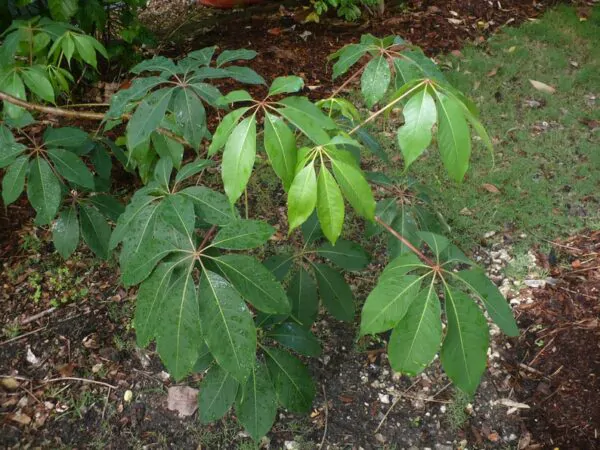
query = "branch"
{"x": 85, "y": 115}
{"x": 405, "y": 241}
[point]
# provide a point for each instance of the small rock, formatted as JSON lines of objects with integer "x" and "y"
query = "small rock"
{"x": 291, "y": 445}
{"x": 535, "y": 283}
{"x": 489, "y": 234}
{"x": 443, "y": 409}
{"x": 443, "y": 447}
{"x": 384, "y": 398}
{"x": 379, "y": 438}
{"x": 9, "y": 383}
{"x": 128, "y": 396}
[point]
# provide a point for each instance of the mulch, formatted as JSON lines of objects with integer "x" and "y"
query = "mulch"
{"x": 558, "y": 371}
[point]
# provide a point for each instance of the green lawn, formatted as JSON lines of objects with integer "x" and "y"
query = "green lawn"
{"x": 547, "y": 159}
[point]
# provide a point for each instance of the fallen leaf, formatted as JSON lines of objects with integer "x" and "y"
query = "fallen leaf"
{"x": 490, "y": 188}
{"x": 493, "y": 437}
{"x": 510, "y": 403}
{"x": 543, "y": 87}
{"x": 454, "y": 21}
{"x": 20, "y": 418}
{"x": 576, "y": 264}
{"x": 31, "y": 358}
{"x": 66, "y": 370}
{"x": 274, "y": 31}
{"x": 9, "y": 383}
{"x": 493, "y": 72}
{"x": 457, "y": 53}
{"x": 182, "y": 399}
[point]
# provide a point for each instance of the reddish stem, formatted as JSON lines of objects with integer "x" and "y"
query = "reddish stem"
{"x": 405, "y": 241}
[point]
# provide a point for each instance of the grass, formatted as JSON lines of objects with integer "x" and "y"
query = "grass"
{"x": 547, "y": 161}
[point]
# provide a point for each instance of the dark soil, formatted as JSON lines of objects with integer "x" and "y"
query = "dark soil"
{"x": 558, "y": 368}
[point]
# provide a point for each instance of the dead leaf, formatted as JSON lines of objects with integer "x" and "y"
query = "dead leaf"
{"x": 493, "y": 72}
{"x": 20, "y": 418}
{"x": 490, "y": 188}
{"x": 493, "y": 437}
{"x": 31, "y": 358}
{"x": 183, "y": 399}
{"x": 66, "y": 370}
{"x": 457, "y": 53}
{"x": 10, "y": 383}
{"x": 576, "y": 264}
{"x": 274, "y": 31}
{"x": 465, "y": 212}
{"x": 454, "y": 21}
{"x": 543, "y": 87}
{"x": 510, "y": 403}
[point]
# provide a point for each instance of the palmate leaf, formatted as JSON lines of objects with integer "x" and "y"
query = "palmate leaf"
{"x": 419, "y": 117}
{"x": 36, "y": 80}
{"x": 43, "y": 191}
{"x": 122, "y": 99}
{"x": 293, "y": 383}
{"x": 179, "y": 334}
{"x": 387, "y": 304}
{"x": 224, "y": 130}
{"x": 454, "y": 139}
{"x": 256, "y": 403}
{"x": 70, "y": 138}
{"x": 436, "y": 243}
{"x": 309, "y": 119}
{"x": 227, "y": 326}
{"x": 355, "y": 188}
{"x": 13, "y": 182}
{"x": 218, "y": 391}
{"x": 235, "y": 55}
{"x": 417, "y": 337}
{"x": 279, "y": 265}
{"x": 255, "y": 283}
{"x": 286, "y": 85}
{"x": 302, "y": 292}
{"x": 280, "y": 144}
{"x": 12, "y": 84}
{"x": 302, "y": 196}
{"x": 296, "y": 337}
{"x": 346, "y": 254}
{"x": 498, "y": 308}
{"x": 464, "y": 351}
{"x": 9, "y": 148}
{"x": 95, "y": 231}
{"x": 167, "y": 148}
{"x": 330, "y": 205}
{"x": 375, "y": 80}
{"x": 71, "y": 167}
{"x": 213, "y": 207}
{"x": 243, "y": 235}
{"x": 347, "y": 57}
{"x": 335, "y": 292}
{"x": 190, "y": 115}
{"x": 238, "y": 158}
{"x": 401, "y": 266}
{"x": 65, "y": 232}
{"x": 147, "y": 117}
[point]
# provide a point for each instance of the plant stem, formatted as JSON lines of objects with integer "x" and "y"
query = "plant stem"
{"x": 86, "y": 115}
{"x": 405, "y": 241}
{"x": 345, "y": 83}
{"x": 207, "y": 236}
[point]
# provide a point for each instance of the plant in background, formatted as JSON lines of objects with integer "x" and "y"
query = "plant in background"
{"x": 350, "y": 10}
{"x": 204, "y": 298}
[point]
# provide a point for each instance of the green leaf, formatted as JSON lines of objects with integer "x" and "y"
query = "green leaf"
{"x": 355, "y": 188}
{"x": 63, "y": 10}
{"x": 203, "y": 56}
{"x": 309, "y": 119}
{"x": 12, "y": 84}
{"x": 280, "y": 144}
{"x": 235, "y": 55}
{"x": 211, "y": 206}
{"x": 464, "y": 351}
{"x": 190, "y": 116}
{"x": 234, "y": 97}
{"x": 414, "y": 136}
{"x": 348, "y": 56}
{"x": 417, "y": 337}
{"x": 207, "y": 92}
{"x": 37, "y": 81}
{"x": 302, "y": 292}
{"x": 279, "y": 265}
{"x": 224, "y": 130}
{"x": 293, "y": 383}
{"x": 405, "y": 71}
{"x": 86, "y": 48}
{"x": 243, "y": 75}
{"x": 156, "y": 64}
{"x": 311, "y": 229}
{"x": 243, "y": 234}
{"x": 227, "y": 326}
{"x": 147, "y": 117}
{"x": 152, "y": 298}
{"x": 400, "y": 266}
{"x": 191, "y": 169}
{"x": 436, "y": 243}
{"x": 65, "y": 232}
{"x": 70, "y": 138}
{"x": 405, "y": 224}
{"x": 43, "y": 191}
{"x": 286, "y": 85}
{"x": 238, "y": 158}
{"x": 255, "y": 283}
{"x": 107, "y": 205}
{"x": 497, "y": 306}
{"x": 346, "y": 254}
{"x": 204, "y": 361}
{"x": 256, "y": 403}
{"x": 95, "y": 231}
{"x": 138, "y": 89}
{"x": 302, "y": 196}
{"x": 218, "y": 391}
{"x": 297, "y": 338}
{"x": 127, "y": 220}
{"x": 335, "y": 292}
{"x": 454, "y": 139}
{"x": 179, "y": 336}
{"x": 375, "y": 80}
{"x": 13, "y": 182}
{"x": 387, "y": 304}
{"x": 330, "y": 205}
{"x": 9, "y": 148}
{"x": 167, "y": 148}
{"x": 162, "y": 172}
{"x": 71, "y": 167}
